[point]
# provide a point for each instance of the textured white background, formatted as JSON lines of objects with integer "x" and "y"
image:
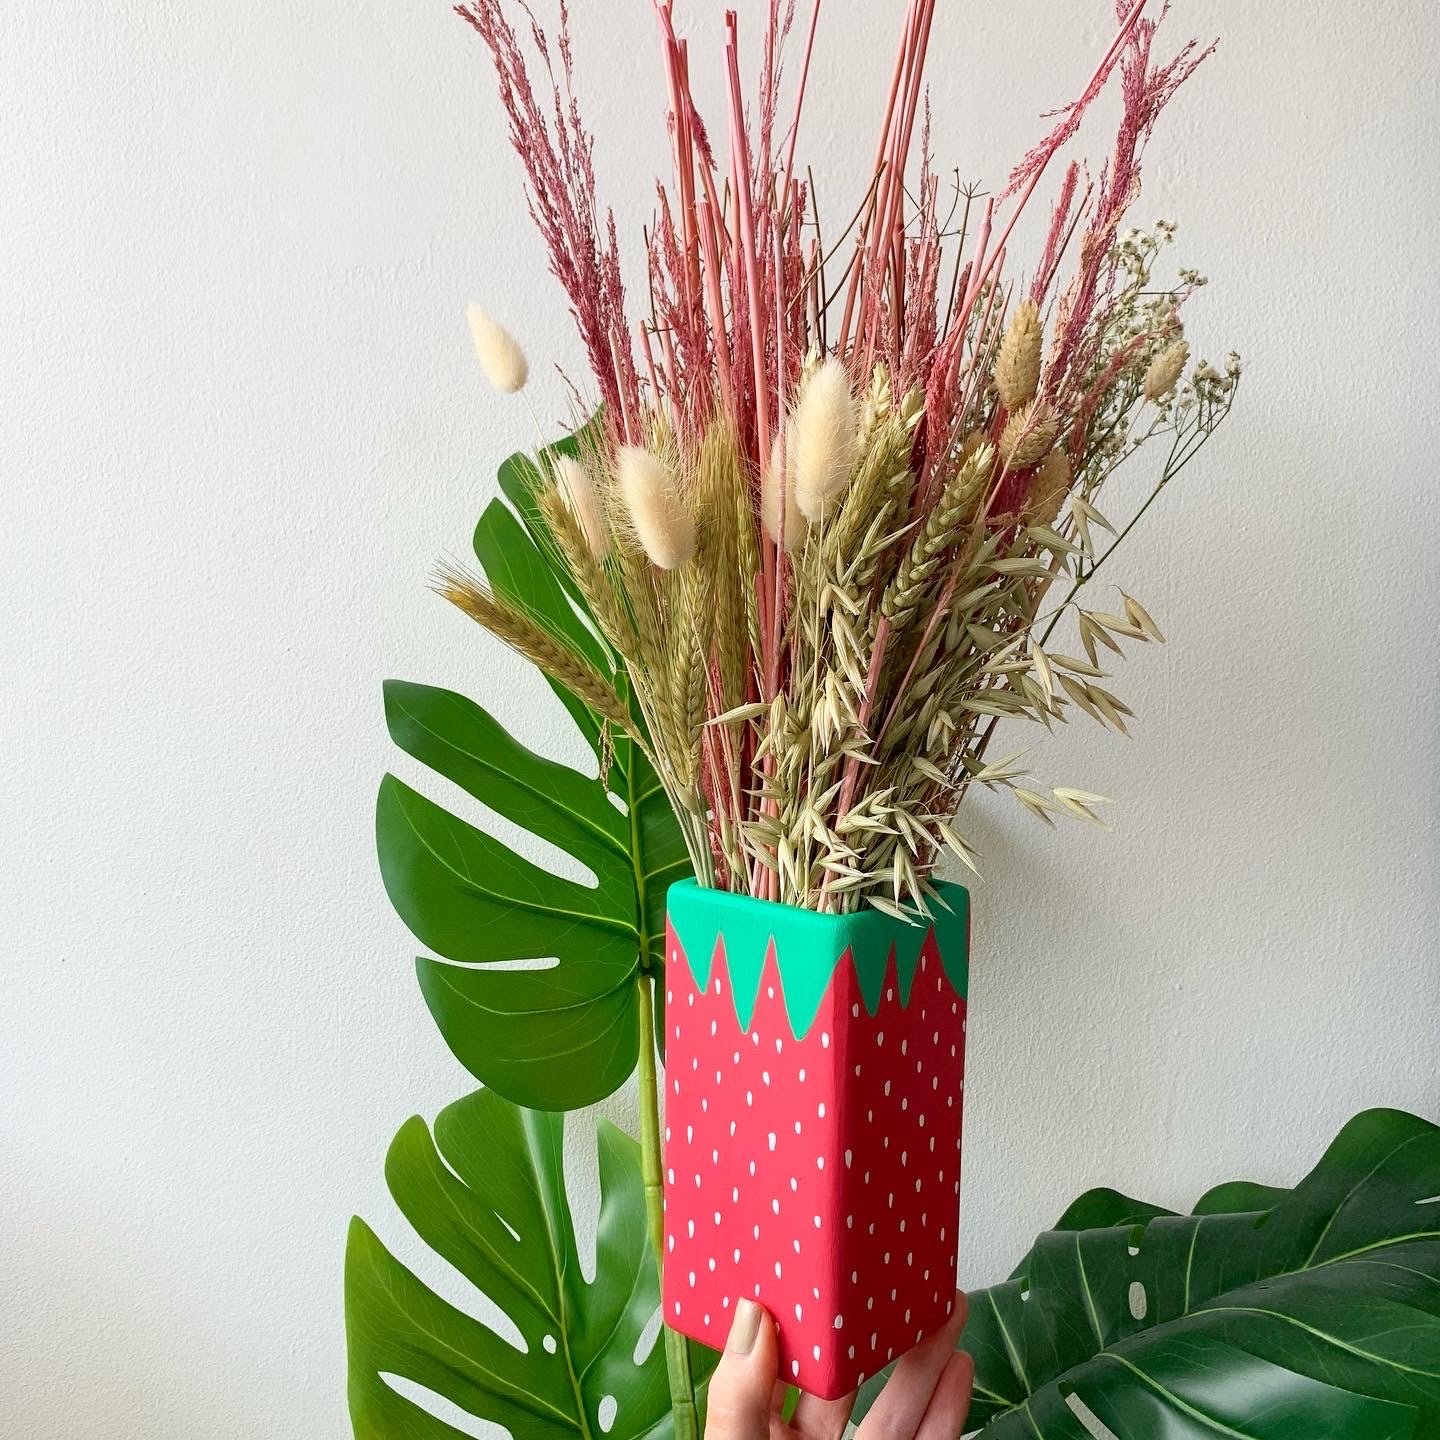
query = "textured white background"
{"x": 239, "y": 421}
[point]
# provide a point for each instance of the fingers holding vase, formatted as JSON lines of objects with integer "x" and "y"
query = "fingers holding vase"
{"x": 927, "y": 1397}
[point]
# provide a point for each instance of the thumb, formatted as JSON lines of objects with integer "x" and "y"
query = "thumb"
{"x": 743, "y": 1386}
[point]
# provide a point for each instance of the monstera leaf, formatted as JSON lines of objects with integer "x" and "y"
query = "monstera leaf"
{"x": 1266, "y": 1314}
{"x": 487, "y": 1192}
{"x": 562, "y": 1033}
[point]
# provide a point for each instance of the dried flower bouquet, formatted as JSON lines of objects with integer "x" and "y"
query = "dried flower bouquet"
{"x": 838, "y": 493}
{"x": 828, "y": 504}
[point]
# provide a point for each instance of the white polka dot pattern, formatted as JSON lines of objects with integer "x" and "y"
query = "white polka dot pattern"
{"x": 818, "y": 1174}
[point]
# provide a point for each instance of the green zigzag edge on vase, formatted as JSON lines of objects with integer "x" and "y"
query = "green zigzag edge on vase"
{"x": 809, "y": 946}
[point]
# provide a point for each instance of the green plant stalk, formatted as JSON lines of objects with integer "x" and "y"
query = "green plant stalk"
{"x": 677, "y": 1354}
{"x": 1179, "y": 457}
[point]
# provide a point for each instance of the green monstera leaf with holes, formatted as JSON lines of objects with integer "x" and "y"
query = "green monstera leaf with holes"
{"x": 533, "y": 983}
{"x": 486, "y": 1192}
{"x": 1266, "y": 1314}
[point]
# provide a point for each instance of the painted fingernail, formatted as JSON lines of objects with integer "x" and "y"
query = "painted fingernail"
{"x": 745, "y": 1328}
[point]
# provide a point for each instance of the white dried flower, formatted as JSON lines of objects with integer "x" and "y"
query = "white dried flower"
{"x": 663, "y": 524}
{"x": 776, "y": 487}
{"x": 826, "y": 438}
{"x": 577, "y": 489}
{"x": 500, "y": 357}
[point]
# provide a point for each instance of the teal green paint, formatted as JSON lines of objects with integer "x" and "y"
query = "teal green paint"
{"x": 808, "y": 946}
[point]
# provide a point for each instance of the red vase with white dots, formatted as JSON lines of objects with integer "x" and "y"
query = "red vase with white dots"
{"x": 814, "y": 1086}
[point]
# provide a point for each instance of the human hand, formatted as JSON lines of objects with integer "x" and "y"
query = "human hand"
{"x": 926, "y": 1398}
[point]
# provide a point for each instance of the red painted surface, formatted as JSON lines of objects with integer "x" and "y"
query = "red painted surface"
{"x": 819, "y": 1176}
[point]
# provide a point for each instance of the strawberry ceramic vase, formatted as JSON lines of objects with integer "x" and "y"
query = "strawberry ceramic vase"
{"x": 813, "y": 1092}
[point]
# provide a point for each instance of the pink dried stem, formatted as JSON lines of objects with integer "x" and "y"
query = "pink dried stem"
{"x": 1062, "y": 227}
{"x": 682, "y": 145}
{"x": 672, "y": 369}
{"x": 1080, "y": 211}
{"x": 1026, "y": 175}
{"x": 659, "y": 394}
{"x": 771, "y": 557}
{"x": 919, "y": 321}
{"x": 769, "y": 78}
{"x": 945, "y": 373}
{"x": 961, "y": 278}
{"x": 979, "y": 368}
{"x": 1034, "y": 163}
{"x": 780, "y": 479}
{"x": 1145, "y": 93}
{"x": 623, "y": 390}
{"x": 745, "y": 221}
{"x": 891, "y": 231}
{"x": 888, "y": 238}
{"x": 877, "y": 169}
{"x": 720, "y": 338}
{"x": 958, "y": 398}
{"x": 789, "y": 171}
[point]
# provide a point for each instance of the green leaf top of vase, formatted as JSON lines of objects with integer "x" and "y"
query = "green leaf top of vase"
{"x": 808, "y": 946}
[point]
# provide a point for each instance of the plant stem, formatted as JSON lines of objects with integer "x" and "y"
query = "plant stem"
{"x": 677, "y": 1352}
{"x": 1180, "y": 456}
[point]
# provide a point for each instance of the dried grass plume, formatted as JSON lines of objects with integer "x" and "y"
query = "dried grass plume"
{"x": 826, "y": 438}
{"x": 577, "y": 488}
{"x": 500, "y": 357}
{"x": 663, "y": 524}
{"x": 777, "y": 488}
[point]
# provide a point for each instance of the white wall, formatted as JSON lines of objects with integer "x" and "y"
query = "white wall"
{"x": 239, "y": 421}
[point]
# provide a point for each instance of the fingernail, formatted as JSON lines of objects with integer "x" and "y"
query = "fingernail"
{"x": 745, "y": 1328}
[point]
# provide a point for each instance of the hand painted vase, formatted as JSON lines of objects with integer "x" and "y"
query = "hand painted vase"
{"x": 813, "y": 1093}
